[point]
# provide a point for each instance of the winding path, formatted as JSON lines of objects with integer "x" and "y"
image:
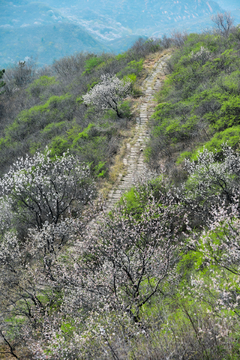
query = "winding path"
{"x": 134, "y": 159}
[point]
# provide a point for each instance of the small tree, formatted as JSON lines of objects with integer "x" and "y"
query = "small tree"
{"x": 108, "y": 93}
{"x": 18, "y": 76}
{"x": 178, "y": 38}
{"x": 224, "y": 23}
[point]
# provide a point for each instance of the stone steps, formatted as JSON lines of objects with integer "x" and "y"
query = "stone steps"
{"x": 134, "y": 159}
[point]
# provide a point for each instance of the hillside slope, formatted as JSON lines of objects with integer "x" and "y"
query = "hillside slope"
{"x": 157, "y": 277}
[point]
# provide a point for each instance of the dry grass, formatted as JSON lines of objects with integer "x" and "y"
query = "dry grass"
{"x": 21, "y": 352}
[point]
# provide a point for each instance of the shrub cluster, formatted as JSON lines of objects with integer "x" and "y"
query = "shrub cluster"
{"x": 199, "y": 102}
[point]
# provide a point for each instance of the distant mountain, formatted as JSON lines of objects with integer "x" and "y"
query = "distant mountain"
{"x": 148, "y": 17}
{"x": 233, "y": 6}
{"x": 229, "y": 4}
{"x": 45, "y": 42}
{"x": 34, "y": 29}
{"x": 50, "y": 29}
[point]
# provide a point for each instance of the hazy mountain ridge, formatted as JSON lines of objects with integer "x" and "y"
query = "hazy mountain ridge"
{"x": 42, "y": 29}
{"x": 231, "y": 5}
{"x": 145, "y": 17}
{"x": 45, "y": 43}
{"x": 31, "y": 29}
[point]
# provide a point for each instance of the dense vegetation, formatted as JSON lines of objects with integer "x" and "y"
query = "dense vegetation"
{"x": 157, "y": 277}
{"x": 45, "y": 107}
{"x": 199, "y": 104}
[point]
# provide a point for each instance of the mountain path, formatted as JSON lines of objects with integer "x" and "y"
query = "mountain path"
{"x": 134, "y": 158}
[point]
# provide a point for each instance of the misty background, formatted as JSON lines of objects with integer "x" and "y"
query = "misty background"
{"x": 48, "y": 30}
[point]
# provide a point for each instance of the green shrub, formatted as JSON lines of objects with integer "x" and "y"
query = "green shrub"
{"x": 82, "y": 135}
{"x": 100, "y": 169}
{"x": 133, "y": 67}
{"x": 134, "y": 202}
{"x": 125, "y": 109}
{"x": 58, "y": 146}
{"x": 92, "y": 63}
{"x": 230, "y": 136}
{"x": 41, "y": 85}
{"x": 199, "y": 102}
{"x": 52, "y": 129}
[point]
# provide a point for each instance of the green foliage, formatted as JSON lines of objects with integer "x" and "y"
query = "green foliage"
{"x": 51, "y": 129}
{"x": 134, "y": 202}
{"x": 136, "y": 199}
{"x": 199, "y": 103}
{"x": 68, "y": 328}
{"x": 100, "y": 169}
{"x": 38, "y": 117}
{"x": 230, "y": 111}
{"x": 20, "y": 136}
{"x": 83, "y": 134}
{"x": 121, "y": 56}
{"x": 58, "y": 146}
{"x": 130, "y": 77}
{"x": 92, "y": 63}
{"x": 40, "y": 86}
{"x": 125, "y": 109}
{"x": 133, "y": 67}
{"x": 90, "y": 86}
{"x": 229, "y": 136}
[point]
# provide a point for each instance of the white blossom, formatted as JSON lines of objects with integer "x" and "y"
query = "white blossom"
{"x": 108, "y": 93}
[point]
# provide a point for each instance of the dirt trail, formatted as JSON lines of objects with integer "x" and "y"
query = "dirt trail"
{"x": 134, "y": 159}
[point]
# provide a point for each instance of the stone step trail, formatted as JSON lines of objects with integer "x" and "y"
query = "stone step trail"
{"x": 134, "y": 159}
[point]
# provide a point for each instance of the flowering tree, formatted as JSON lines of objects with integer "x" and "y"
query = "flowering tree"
{"x": 128, "y": 260}
{"x": 30, "y": 287}
{"x": 202, "y": 56}
{"x": 40, "y": 189}
{"x": 219, "y": 247}
{"x": 210, "y": 178}
{"x": 117, "y": 269}
{"x": 113, "y": 271}
{"x": 39, "y": 194}
{"x": 108, "y": 93}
